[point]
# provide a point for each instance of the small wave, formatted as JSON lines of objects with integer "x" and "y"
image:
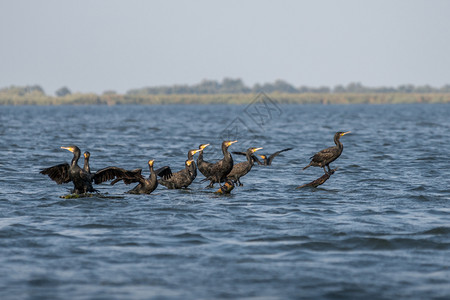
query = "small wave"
{"x": 275, "y": 239}
{"x": 191, "y": 238}
{"x": 428, "y": 158}
{"x": 99, "y": 226}
{"x": 382, "y": 157}
{"x": 372, "y": 243}
{"x": 437, "y": 231}
{"x": 418, "y": 188}
{"x": 421, "y": 198}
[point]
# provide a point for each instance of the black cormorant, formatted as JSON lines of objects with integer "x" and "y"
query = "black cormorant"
{"x": 226, "y": 188}
{"x": 202, "y": 165}
{"x": 146, "y": 185}
{"x": 217, "y": 172}
{"x": 64, "y": 173}
{"x": 178, "y": 180}
{"x": 191, "y": 157}
{"x": 326, "y": 156}
{"x": 86, "y": 166}
{"x": 242, "y": 168}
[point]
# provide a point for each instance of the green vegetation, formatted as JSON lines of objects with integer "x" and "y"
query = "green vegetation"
{"x": 230, "y": 91}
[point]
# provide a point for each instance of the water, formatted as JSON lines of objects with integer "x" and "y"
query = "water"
{"x": 379, "y": 228}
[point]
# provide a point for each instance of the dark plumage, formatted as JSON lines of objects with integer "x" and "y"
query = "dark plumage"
{"x": 326, "y": 156}
{"x": 203, "y": 166}
{"x": 191, "y": 157}
{"x": 65, "y": 173}
{"x": 226, "y": 188}
{"x": 82, "y": 179}
{"x": 178, "y": 180}
{"x": 145, "y": 186}
{"x": 217, "y": 172}
{"x": 86, "y": 166}
{"x": 267, "y": 159}
{"x": 241, "y": 169}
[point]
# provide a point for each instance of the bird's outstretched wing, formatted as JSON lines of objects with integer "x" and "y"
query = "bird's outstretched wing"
{"x": 239, "y": 153}
{"x": 271, "y": 157}
{"x": 130, "y": 177}
{"x": 110, "y": 173}
{"x": 164, "y": 172}
{"x": 58, "y": 173}
{"x": 129, "y": 180}
{"x": 253, "y": 156}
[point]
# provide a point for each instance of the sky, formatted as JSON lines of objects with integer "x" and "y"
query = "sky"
{"x": 99, "y": 45}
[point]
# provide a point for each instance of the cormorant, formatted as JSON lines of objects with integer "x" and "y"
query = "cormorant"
{"x": 267, "y": 159}
{"x": 86, "y": 167}
{"x": 226, "y": 188}
{"x": 201, "y": 164}
{"x": 178, "y": 180}
{"x": 217, "y": 172}
{"x": 82, "y": 180}
{"x": 64, "y": 173}
{"x": 242, "y": 168}
{"x": 191, "y": 157}
{"x": 326, "y": 156}
{"x": 145, "y": 186}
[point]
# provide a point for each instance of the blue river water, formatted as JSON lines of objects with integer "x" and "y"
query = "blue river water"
{"x": 378, "y": 228}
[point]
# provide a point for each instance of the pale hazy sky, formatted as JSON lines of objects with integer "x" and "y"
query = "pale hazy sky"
{"x": 98, "y": 45}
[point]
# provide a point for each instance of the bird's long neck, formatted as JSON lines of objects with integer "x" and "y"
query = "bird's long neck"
{"x": 225, "y": 151}
{"x": 86, "y": 165}
{"x": 193, "y": 169}
{"x": 152, "y": 172}
{"x": 76, "y": 157}
{"x": 249, "y": 156}
{"x": 200, "y": 156}
{"x": 338, "y": 142}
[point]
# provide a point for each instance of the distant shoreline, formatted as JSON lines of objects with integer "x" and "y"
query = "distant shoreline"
{"x": 282, "y": 98}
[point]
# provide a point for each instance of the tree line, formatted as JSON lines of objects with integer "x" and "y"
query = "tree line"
{"x": 237, "y": 86}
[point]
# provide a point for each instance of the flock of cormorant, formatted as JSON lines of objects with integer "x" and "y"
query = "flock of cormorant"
{"x": 224, "y": 172}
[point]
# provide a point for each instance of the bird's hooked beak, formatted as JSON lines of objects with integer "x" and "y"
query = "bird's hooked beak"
{"x": 262, "y": 156}
{"x": 231, "y": 143}
{"x": 189, "y": 162}
{"x": 344, "y": 133}
{"x": 204, "y": 146}
{"x": 256, "y": 149}
{"x": 71, "y": 149}
{"x": 196, "y": 151}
